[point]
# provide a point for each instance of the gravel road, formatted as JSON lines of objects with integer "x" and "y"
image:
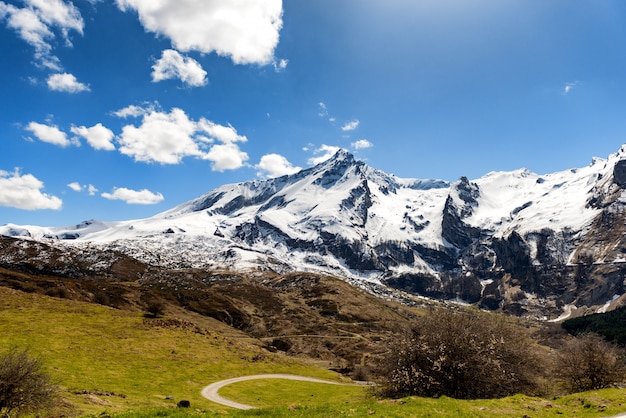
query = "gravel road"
{"x": 210, "y": 392}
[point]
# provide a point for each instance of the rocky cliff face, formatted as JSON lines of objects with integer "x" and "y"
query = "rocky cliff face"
{"x": 516, "y": 241}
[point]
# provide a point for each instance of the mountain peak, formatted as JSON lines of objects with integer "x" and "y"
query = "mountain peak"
{"x": 341, "y": 156}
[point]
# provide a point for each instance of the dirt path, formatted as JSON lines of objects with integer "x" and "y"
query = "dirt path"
{"x": 210, "y": 392}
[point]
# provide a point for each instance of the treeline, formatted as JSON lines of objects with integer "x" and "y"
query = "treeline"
{"x": 610, "y": 325}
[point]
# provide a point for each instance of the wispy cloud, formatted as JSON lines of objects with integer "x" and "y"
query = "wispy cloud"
{"x": 36, "y": 24}
{"x": 350, "y": 126}
{"x": 134, "y": 197}
{"x": 323, "y": 153}
{"x": 323, "y": 110}
{"x": 568, "y": 88}
{"x": 77, "y": 187}
{"x": 361, "y": 144}
{"x": 280, "y": 65}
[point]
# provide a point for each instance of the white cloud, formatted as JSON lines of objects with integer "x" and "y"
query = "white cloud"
{"x": 362, "y": 144}
{"x": 75, "y": 186}
{"x": 66, "y": 82}
{"x": 134, "y": 197}
{"x": 133, "y": 111}
{"x": 350, "y": 126}
{"x": 49, "y": 134}
{"x": 275, "y": 165}
{"x": 245, "y": 31}
{"x": 226, "y": 134}
{"x": 323, "y": 112}
{"x": 36, "y": 22}
{"x": 98, "y": 136}
{"x": 568, "y": 88}
{"x": 280, "y": 65}
{"x": 23, "y": 191}
{"x": 173, "y": 65}
{"x": 167, "y": 138}
{"x": 323, "y": 153}
{"x": 226, "y": 157}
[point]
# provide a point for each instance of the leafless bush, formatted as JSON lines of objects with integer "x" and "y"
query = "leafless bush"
{"x": 24, "y": 386}
{"x": 589, "y": 362}
{"x": 462, "y": 355}
{"x": 155, "y": 308}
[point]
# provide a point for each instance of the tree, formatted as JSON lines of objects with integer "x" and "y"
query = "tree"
{"x": 462, "y": 355}
{"x": 155, "y": 308}
{"x": 24, "y": 386}
{"x": 589, "y": 362}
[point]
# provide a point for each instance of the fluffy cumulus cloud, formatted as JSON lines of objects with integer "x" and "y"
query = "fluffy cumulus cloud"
{"x": 173, "y": 65}
{"x": 362, "y": 144}
{"x": 134, "y": 197}
{"x": 98, "y": 136}
{"x": 66, "y": 82}
{"x": 167, "y": 138}
{"x": 48, "y": 133}
{"x": 226, "y": 157}
{"x": 162, "y": 137}
{"x": 23, "y": 191}
{"x": 37, "y": 22}
{"x": 322, "y": 154}
{"x": 245, "y": 31}
{"x": 350, "y": 126}
{"x": 275, "y": 165}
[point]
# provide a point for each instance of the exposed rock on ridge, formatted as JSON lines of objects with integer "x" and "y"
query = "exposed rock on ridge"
{"x": 527, "y": 244}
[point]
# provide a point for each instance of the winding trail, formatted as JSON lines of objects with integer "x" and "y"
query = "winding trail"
{"x": 210, "y": 392}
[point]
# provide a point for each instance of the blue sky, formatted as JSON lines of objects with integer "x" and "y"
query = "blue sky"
{"x": 120, "y": 109}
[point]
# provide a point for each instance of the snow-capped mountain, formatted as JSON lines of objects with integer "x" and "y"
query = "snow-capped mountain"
{"x": 528, "y": 243}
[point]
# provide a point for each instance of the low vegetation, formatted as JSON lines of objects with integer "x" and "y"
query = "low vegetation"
{"x": 140, "y": 341}
{"x": 611, "y": 325}
{"x": 463, "y": 355}
{"x": 24, "y": 385}
{"x": 589, "y": 362}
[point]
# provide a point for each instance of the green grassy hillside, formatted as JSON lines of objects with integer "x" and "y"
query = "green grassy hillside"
{"x": 112, "y": 362}
{"x": 107, "y": 359}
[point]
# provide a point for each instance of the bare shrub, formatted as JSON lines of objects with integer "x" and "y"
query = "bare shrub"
{"x": 24, "y": 386}
{"x": 155, "y": 308}
{"x": 462, "y": 355}
{"x": 589, "y": 362}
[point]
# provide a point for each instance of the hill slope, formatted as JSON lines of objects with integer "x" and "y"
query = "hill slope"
{"x": 529, "y": 244}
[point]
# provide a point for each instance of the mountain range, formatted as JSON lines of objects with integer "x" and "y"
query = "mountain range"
{"x": 532, "y": 245}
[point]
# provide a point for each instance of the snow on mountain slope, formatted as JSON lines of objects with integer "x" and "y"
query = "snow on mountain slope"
{"x": 448, "y": 240}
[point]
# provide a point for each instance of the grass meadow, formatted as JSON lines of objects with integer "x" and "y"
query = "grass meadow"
{"x": 116, "y": 363}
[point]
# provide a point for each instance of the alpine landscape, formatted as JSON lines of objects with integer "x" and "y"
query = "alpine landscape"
{"x": 538, "y": 246}
{"x": 280, "y": 208}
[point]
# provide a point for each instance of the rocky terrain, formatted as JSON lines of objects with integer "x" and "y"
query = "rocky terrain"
{"x": 541, "y": 246}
